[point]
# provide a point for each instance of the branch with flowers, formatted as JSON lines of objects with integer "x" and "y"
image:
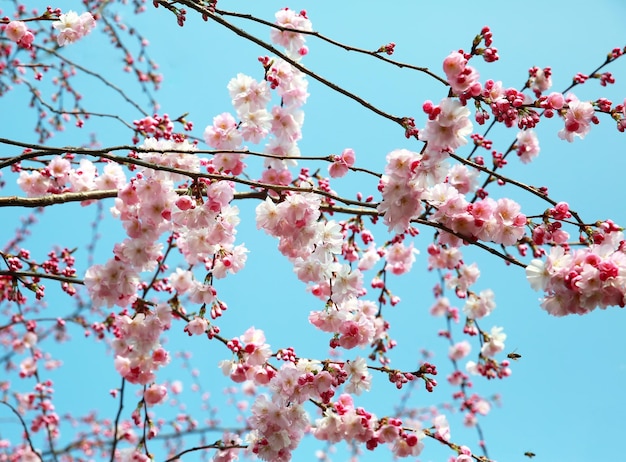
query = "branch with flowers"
{"x": 177, "y": 251}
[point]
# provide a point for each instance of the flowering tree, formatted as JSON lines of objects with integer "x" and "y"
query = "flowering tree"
{"x": 158, "y": 281}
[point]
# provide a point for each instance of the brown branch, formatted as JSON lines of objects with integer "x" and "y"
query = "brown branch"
{"x": 32, "y": 274}
{"x": 26, "y": 432}
{"x": 216, "y": 445}
{"x": 37, "y": 150}
{"x": 242, "y": 33}
{"x": 344, "y": 46}
{"x": 93, "y": 74}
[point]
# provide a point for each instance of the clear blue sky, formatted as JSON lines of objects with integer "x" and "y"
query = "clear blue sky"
{"x": 565, "y": 398}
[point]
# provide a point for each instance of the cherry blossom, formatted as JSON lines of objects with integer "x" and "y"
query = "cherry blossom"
{"x": 72, "y": 27}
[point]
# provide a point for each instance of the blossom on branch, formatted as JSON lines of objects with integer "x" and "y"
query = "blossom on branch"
{"x": 72, "y": 27}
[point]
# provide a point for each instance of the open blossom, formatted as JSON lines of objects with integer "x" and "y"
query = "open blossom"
{"x": 578, "y": 119}
{"x": 479, "y": 306}
{"x": 459, "y": 350}
{"x": 537, "y": 275}
{"x": 496, "y": 342}
{"x": 360, "y": 378}
{"x": 197, "y": 326}
{"x": 400, "y": 258}
{"x": 342, "y": 163}
{"x": 256, "y": 125}
{"x": 292, "y": 41}
{"x": 369, "y": 259}
{"x": 247, "y": 94}
{"x": 354, "y": 321}
{"x": 18, "y": 32}
{"x": 290, "y": 83}
{"x": 183, "y": 159}
{"x": 449, "y": 128}
{"x": 442, "y": 427}
{"x": 223, "y": 134}
{"x": 460, "y": 76}
{"x": 463, "y": 179}
{"x": 72, "y": 27}
{"x": 34, "y": 183}
{"x": 155, "y": 394}
{"x": 541, "y": 80}
{"x": 527, "y": 146}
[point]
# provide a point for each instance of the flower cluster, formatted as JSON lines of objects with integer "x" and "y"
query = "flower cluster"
{"x": 138, "y": 353}
{"x": 354, "y": 322}
{"x": 401, "y": 189}
{"x": 278, "y": 428}
{"x": 487, "y": 220}
{"x": 345, "y": 422}
{"x": 291, "y": 21}
{"x": 579, "y": 281}
{"x": 527, "y": 146}
{"x": 461, "y": 77}
{"x": 310, "y": 244}
{"x": 61, "y": 176}
{"x": 447, "y": 126}
{"x": 252, "y": 354}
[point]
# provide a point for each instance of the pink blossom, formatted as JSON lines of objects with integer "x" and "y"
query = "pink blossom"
{"x": 34, "y": 184}
{"x": 479, "y": 306}
{"x": 359, "y": 377}
{"x": 578, "y": 119}
{"x": 181, "y": 280}
{"x": 578, "y": 282}
{"x": 495, "y": 344}
{"x": 115, "y": 283}
{"x": 197, "y": 326}
{"x": 463, "y": 179}
{"x": 342, "y": 163}
{"x": 459, "y": 350}
{"x": 541, "y": 80}
{"x": 441, "y": 307}
{"x": 228, "y": 455}
{"x": 247, "y": 94}
{"x": 400, "y": 189}
{"x": 449, "y": 128}
{"x": 231, "y": 260}
{"x": 112, "y": 177}
{"x": 400, "y": 258}
{"x": 15, "y": 30}
{"x": 460, "y": 76}
{"x": 408, "y": 445}
{"x": 163, "y": 154}
{"x": 292, "y": 41}
{"x": 287, "y": 123}
{"x": 442, "y": 427}
{"x": 18, "y": 32}
{"x": 155, "y": 394}
{"x": 223, "y": 134}
{"x": 369, "y": 259}
{"x": 527, "y": 146}
{"x": 256, "y": 125}
{"x": 202, "y": 294}
{"x": 72, "y": 27}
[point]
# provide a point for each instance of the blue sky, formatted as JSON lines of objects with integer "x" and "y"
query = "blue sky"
{"x": 565, "y": 398}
